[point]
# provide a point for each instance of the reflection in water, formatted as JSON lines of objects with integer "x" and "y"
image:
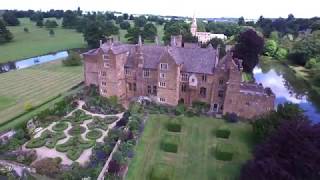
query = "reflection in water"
{"x": 288, "y": 88}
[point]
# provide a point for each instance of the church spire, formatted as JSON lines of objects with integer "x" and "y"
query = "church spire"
{"x": 193, "y": 28}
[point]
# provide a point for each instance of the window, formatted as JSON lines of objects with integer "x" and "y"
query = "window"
{"x": 106, "y": 60}
{"x": 103, "y": 74}
{"x": 184, "y": 77}
{"x": 103, "y": 83}
{"x": 183, "y": 87}
{"x": 162, "y": 75}
{"x": 134, "y": 86}
{"x": 248, "y": 103}
{"x": 146, "y": 73}
{"x": 204, "y": 78}
{"x": 127, "y": 71}
{"x": 221, "y": 82}
{"x": 163, "y": 66}
{"x": 203, "y": 92}
{"x": 155, "y": 90}
{"x": 215, "y": 108}
{"x": 220, "y": 93}
{"x": 162, "y": 84}
{"x": 130, "y": 86}
{"x": 103, "y": 91}
{"x": 149, "y": 90}
{"x": 162, "y": 99}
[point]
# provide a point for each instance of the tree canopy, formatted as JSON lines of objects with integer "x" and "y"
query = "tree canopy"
{"x": 248, "y": 47}
{"x": 149, "y": 31}
{"x": 10, "y": 18}
{"x": 70, "y": 19}
{"x": 5, "y": 34}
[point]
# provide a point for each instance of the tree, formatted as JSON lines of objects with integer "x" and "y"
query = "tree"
{"x": 140, "y": 21}
{"x": 73, "y": 59}
{"x": 248, "y": 48}
{"x": 270, "y": 48}
{"x": 70, "y": 19}
{"x": 131, "y": 17}
{"x": 26, "y": 30}
{"x": 48, "y": 166}
{"x": 110, "y": 28}
{"x": 125, "y": 25}
{"x": 5, "y": 34}
{"x": 10, "y": 18}
{"x": 281, "y": 54}
{"x": 241, "y": 21}
{"x": 51, "y": 32}
{"x": 149, "y": 31}
{"x": 119, "y": 19}
{"x": 133, "y": 34}
{"x": 291, "y": 152}
{"x": 93, "y": 33}
{"x": 51, "y": 24}
{"x": 218, "y": 43}
{"x": 125, "y": 16}
{"x": 39, "y": 23}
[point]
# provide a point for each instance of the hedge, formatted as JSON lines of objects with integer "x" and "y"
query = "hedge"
{"x": 94, "y": 134}
{"x": 224, "y": 152}
{"x": 161, "y": 172}
{"x": 60, "y": 126}
{"x": 169, "y": 147}
{"x": 174, "y": 127}
{"x": 223, "y": 132}
{"x": 76, "y": 130}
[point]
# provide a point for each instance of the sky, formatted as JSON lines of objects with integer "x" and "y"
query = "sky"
{"x": 250, "y": 9}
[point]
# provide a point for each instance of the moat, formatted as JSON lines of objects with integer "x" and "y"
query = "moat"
{"x": 288, "y": 88}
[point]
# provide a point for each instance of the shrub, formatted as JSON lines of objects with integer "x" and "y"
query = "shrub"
{"x": 60, "y": 126}
{"x": 28, "y": 106}
{"x": 76, "y": 130}
{"x": 161, "y": 172}
{"x": 94, "y": 134}
{"x": 224, "y": 152}
{"x": 110, "y": 119}
{"x": 180, "y": 109}
{"x": 311, "y": 63}
{"x": 169, "y": 147}
{"x": 174, "y": 127}
{"x": 26, "y": 30}
{"x": 73, "y": 59}
{"x": 223, "y": 132}
{"x": 200, "y": 106}
{"x": 231, "y": 117}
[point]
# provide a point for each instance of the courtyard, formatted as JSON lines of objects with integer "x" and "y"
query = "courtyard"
{"x": 191, "y": 148}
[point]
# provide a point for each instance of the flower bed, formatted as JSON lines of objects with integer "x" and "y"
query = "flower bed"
{"x": 76, "y": 130}
{"x": 74, "y": 147}
{"x": 47, "y": 138}
{"x": 94, "y": 134}
{"x": 60, "y": 126}
{"x": 102, "y": 123}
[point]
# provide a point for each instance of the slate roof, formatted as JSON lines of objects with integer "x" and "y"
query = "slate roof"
{"x": 196, "y": 60}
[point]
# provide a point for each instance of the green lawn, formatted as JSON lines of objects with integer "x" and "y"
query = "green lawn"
{"x": 35, "y": 85}
{"x": 195, "y": 157}
{"x": 38, "y": 41}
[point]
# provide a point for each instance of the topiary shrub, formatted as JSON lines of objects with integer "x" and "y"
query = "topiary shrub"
{"x": 169, "y": 147}
{"x": 76, "y": 130}
{"x": 60, "y": 126}
{"x": 94, "y": 134}
{"x": 161, "y": 172}
{"x": 173, "y": 127}
{"x": 223, "y": 132}
{"x": 231, "y": 117}
{"x": 223, "y": 152}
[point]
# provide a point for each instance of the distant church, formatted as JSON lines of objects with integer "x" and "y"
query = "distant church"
{"x": 204, "y": 37}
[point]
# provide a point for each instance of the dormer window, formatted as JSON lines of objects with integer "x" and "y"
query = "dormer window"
{"x": 204, "y": 78}
{"x": 164, "y": 66}
{"x": 127, "y": 71}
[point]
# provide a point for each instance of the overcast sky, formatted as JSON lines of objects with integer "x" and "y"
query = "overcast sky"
{"x": 202, "y": 8}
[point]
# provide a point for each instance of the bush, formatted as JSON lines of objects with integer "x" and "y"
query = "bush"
{"x": 76, "y": 130}
{"x": 60, "y": 126}
{"x": 180, "y": 109}
{"x": 200, "y": 106}
{"x": 224, "y": 152}
{"x": 311, "y": 63}
{"x": 73, "y": 59}
{"x": 94, "y": 134}
{"x": 169, "y": 143}
{"x": 231, "y": 117}
{"x": 51, "y": 24}
{"x": 161, "y": 172}
{"x": 125, "y": 25}
{"x": 223, "y": 132}
{"x": 28, "y": 106}
{"x": 174, "y": 127}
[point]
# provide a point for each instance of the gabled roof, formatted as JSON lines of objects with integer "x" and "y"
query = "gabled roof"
{"x": 194, "y": 60}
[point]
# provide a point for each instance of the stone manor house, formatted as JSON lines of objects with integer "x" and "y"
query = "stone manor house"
{"x": 175, "y": 74}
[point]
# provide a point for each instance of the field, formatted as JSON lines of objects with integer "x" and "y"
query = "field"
{"x": 38, "y": 41}
{"x": 34, "y": 86}
{"x": 191, "y": 153}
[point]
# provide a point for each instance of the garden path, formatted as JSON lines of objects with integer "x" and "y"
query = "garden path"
{"x": 44, "y": 152}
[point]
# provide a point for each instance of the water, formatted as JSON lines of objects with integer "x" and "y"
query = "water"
{"x": 40, "y": 59}
{"x": 288, "y": 88}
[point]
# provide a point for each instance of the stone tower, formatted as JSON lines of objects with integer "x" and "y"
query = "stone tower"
{"x": 193, "y": 28}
